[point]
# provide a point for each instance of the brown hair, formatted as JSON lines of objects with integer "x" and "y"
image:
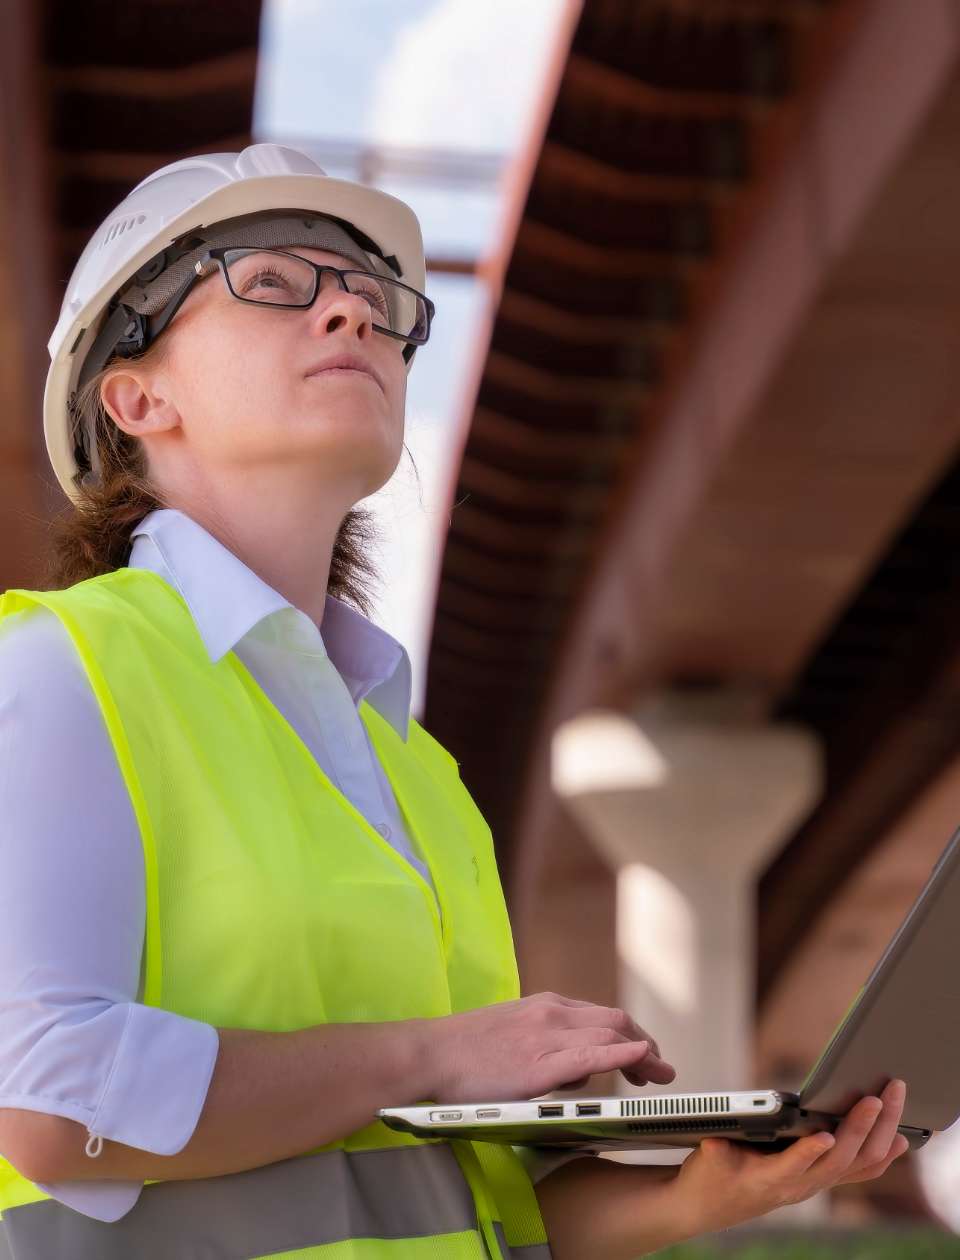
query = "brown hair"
{"x": 92, "y": 536}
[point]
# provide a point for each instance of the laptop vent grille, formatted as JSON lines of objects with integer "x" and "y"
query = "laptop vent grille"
{"x": 694, "y": 1105}
{"x": 681, "y": 1126}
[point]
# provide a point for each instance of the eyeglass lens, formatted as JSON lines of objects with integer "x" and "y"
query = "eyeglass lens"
{"x": 275, "y": 279}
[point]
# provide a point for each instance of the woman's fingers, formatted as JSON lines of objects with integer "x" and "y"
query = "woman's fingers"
{"x": 576, "y": 1061}
{"x": 564, "y": 1001}
{"x": 599, "y": 1024}
{"x": 878, "y": 1143}
{"x": 617, "y": 1019}
{"x": 651, "y": 1070}
{"x": 797, "y": 1160}
{"x": 865, "y": 1134}
{"x": 648, "y": 1069}
{"x": 851, "y": 1133}
{"x": 580, "y": 1083}
{"x": 883, "y": 1144}
{"x": 595, "y": 1035}
{"x": 582, "y": 1013}
{"x": 865, "y": 1142}
{"x": 899, "y": 1147}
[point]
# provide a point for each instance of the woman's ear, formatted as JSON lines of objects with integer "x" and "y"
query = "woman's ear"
{"x": 135, "y": 403}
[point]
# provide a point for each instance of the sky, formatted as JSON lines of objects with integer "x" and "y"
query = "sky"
{"x": 437, "y": 74}
{"x": 446, "y": 73}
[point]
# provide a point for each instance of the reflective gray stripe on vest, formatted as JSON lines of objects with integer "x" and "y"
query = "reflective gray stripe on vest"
{"x": 536, "y": 1251}
{"x": 398, "y": 1192}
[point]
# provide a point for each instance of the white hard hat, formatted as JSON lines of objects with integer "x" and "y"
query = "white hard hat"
{"x": 175, "y": 202}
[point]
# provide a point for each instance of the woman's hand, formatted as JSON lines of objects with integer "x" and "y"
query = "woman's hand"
{"x": 723, "y": 1183}
{"x": 533, "y": 1045}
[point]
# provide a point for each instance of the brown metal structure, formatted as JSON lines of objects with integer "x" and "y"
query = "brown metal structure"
{"x": 95, "y": 97}
{"x": 664, "y": 121}
{"x": 676, "y": 472}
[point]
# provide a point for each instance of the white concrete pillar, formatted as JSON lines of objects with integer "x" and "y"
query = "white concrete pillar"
{"x": 687, "y": 807}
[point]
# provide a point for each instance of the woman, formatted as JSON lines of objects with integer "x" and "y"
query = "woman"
{"x": 277, "y": 909}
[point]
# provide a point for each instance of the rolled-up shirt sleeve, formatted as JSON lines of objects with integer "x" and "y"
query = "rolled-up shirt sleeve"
{"x": 75, "y": 1041}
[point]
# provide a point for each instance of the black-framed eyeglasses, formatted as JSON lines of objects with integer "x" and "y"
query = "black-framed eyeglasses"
{"x": 278, "y": 277}
{"x": 266, "y": 277}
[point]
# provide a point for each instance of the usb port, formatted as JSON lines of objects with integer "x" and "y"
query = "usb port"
{"x": 550, "y": 1109}
{"x": 588, "y": 1109}
{"x": 489, "y": 1113}
{"x": 446, "y": 1115}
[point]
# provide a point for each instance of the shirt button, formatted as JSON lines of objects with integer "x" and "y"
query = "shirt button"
{"x": 384, "y": 830}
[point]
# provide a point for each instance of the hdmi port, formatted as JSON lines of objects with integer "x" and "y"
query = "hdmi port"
{"x": 588, "y": 1109}
{"x": 550, "y": 1109}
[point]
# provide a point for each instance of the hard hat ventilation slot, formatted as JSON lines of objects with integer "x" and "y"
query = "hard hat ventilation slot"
{"x": 121, "y": 225}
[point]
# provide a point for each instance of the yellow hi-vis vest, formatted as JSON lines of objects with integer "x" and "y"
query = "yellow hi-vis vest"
{"x": 271, "y": 903}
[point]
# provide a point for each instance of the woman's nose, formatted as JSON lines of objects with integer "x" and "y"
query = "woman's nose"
{"x": 333, "y": 303}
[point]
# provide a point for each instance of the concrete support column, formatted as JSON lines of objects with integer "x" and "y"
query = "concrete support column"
{"x": 687, "y": 806}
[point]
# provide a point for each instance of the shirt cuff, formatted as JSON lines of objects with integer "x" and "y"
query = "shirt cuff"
{"x": 152, "y": 1100}
{"x": 158, "y": 1083}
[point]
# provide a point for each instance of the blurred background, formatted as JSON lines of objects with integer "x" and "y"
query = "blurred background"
{"x": 674, "y": 549}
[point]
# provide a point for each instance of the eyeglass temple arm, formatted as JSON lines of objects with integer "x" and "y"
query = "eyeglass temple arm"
{"x": 127, "y": 332}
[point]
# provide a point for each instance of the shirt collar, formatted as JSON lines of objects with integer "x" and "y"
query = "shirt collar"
{"x": 227, "y": 601}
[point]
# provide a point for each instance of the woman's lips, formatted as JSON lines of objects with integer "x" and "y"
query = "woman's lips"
{"x": 342, "y": 370}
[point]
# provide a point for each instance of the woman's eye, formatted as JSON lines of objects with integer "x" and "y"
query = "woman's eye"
{"x": 266, "y": 278}
{"x": 376, "y": 298}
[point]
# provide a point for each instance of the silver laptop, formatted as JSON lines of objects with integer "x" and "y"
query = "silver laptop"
{"x": 904, "y": 1023}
